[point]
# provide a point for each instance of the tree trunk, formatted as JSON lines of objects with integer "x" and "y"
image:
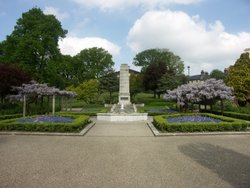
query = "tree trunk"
{"x": 53, "y": 104}
{"x": 154, "y": 94}
{"x": 24, "y": 106}
{"x": 110, "y": 97}
{"x": 159, "y": 95}
{"x": 71, "y": 103}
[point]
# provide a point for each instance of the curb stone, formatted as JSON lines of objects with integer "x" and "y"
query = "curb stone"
{"x": 82, "y": 133}
{"x": 161, "y": 134}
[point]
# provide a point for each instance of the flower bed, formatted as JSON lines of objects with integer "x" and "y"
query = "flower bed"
{"x": 77, "y": 124}
{"x": 193, "y": 118}
{"x": 169, "y": 123}
{"x": 47, "y": 119}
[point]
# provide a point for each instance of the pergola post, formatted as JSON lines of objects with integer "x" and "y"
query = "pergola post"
{"x": 71, "y": 103}
{"x": 24, "y": 105}
{"x": 53, "y": 104}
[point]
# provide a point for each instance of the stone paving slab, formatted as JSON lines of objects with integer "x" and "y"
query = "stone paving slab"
{"x": 111, "y": 162}
{"x": 117, "y": 129}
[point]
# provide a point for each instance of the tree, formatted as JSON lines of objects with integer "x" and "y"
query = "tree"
{"x": 170, "y": 82}
{"x": 11, "y": 76}
{"x": 201, "y": 93}
{"x": 152, "y": 75}
{"x": 238, "y": 77}
{"x": 150, "y": 56}
{"x": 87, "y": 91}
{"x": 217, "y": 74}
{"x": 135, "y": 84}
{"x": 93, "y": 63}
{"x": 34, "y": 43}
{"x": 110, "y": 83}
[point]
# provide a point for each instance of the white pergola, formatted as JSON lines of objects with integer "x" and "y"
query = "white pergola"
{"x": 26, "y": 91}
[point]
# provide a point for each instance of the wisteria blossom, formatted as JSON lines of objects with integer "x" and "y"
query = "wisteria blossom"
{"x": 200, "y": 93}
{"x": 35, "y": 89}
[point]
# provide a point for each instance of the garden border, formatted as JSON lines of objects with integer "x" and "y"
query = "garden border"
{"x": 81, "y": 133}
{"x": 156, "y": 133}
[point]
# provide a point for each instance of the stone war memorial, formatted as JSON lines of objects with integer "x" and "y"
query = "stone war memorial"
{"x": 124, "y": 110}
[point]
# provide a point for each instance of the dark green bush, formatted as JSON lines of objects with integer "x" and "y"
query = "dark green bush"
{"x": 227, "y": 124}
{"x": 232, "y": 114}
{"x": 79, "y": 122}
{"x": 11, "y": 116}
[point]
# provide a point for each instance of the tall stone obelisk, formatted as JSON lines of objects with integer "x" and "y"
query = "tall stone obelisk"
{"x": 124, "y": 95}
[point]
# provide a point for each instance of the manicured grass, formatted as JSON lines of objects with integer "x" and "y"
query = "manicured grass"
{"x": 79, "y": 122}
{"x": 226, "y": 124}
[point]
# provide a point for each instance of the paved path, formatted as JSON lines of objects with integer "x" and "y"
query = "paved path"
{"x": 110, "y": 155}
{"x": 120, "y": 129}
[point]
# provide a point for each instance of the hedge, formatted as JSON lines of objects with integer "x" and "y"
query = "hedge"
{"x": 232, "y": 114}
{"x": 79, "y": 122}
{"x": 10, "y": 116}
{"x": 227, "y": 124}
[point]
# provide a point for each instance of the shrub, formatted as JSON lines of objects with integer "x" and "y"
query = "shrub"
{"x": 232, "y": 114}
{"x": 227, "y": 124}
{"x": 11, "y": 116}
{"x": 79, "y": 122}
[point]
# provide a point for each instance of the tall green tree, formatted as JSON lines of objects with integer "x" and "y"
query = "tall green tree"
{"x": 147, "y": 57}
{"x": 11, "y": 76}
{"x": 238, "y": 77}
{"x": 93, "y": 63}
{"x": 152, "y": 76}
{"x": 33, "y": 44}
{"x": 110, "y": 83}
{"x": 170, "y": 82}
{"x": 88, "y": 91}
{"x": 135, "y": 84}
{"x": 217, "y": 74}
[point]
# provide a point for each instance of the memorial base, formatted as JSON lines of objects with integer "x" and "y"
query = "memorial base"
{"x": 122, "y": 117}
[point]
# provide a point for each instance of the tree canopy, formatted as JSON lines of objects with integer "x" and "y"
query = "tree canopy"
{"x": 110, "y": 83}
{"x": 93, "y": 62}
{"x": 33, "y": 44}
{"x": 147, "y": 57}
{"x": 217, "y": 74}
{"x": 238, "y": 77}
{"x": 11, "y": 76}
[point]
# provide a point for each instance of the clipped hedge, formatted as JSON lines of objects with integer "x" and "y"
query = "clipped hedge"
{"x": 10, "y": 116}
{"x": 227, "y": 124}
{"x": 79, "y": 122}
{"x": 232, "y": 114}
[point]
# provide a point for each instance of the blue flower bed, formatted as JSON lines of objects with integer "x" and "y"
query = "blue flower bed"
{"x": 197, "y": 123}
{"x": 192, "y": 119}
{"x": 47, "y": 119}
{"x": 161, "y": 111}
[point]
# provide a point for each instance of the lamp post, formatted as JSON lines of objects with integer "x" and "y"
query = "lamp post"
{"x": 188, "y": 70}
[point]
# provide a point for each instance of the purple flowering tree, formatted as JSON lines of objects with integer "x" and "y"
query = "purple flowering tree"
{"x": 30, "y": 92}
{"x": 205, "y": 93}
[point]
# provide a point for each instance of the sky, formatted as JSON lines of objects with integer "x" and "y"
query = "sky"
{"x": 206, "y": 34}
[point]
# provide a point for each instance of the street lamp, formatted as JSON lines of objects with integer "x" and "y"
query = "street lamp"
{"x": 188, "y": 70}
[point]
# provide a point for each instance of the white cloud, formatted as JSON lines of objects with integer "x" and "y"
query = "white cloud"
{"x": 56, "y": 12}
{"x": 73, "y": 45}
{"x": 121, "y": 4}
{"x": 200, "y": 45}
